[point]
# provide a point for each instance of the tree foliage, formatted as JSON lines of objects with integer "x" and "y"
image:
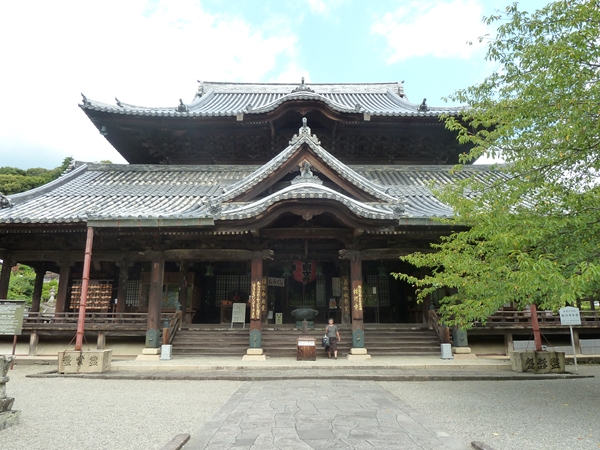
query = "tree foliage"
{"x": 532, "y": 237}
{"x": 14, "y": 180}
{"x": 21, "y": 283}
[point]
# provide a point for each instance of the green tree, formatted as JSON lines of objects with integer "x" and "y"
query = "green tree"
{"x": 21, "y": 284}
{"x": 532, "y": 234}
{"x": 14, "y": 180}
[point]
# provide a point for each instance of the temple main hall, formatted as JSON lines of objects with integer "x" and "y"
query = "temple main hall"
{"x": 280, "y": 197}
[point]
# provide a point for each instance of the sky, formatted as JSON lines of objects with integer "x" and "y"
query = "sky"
{"x": 153, "y": 52}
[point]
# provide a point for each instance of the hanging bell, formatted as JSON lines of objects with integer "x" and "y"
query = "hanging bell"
{"x": 210, "y": 271}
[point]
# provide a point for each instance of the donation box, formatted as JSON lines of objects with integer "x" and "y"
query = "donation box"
{"x": 307, "y": 349}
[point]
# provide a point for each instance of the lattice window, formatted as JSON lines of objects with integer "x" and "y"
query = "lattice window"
{"x": 383, "y": 288}
{"x": 321, "y": 292}
{"x": 225, "y": 284}
{"x": 382, "y": 284}
{"x": 132, "y": 296}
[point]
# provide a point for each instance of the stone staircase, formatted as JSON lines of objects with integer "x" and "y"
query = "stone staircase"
{"x": 380, "y": 339}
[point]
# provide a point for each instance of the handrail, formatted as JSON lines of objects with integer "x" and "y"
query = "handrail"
{"x": 545, "y": 319}
{"x": 442, "y": 331}
{"x": 32, "y": 318}
{"x": 174, "y": 326}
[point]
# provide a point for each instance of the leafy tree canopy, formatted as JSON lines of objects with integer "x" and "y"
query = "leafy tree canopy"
{"x": 532, "y": 238}
{"x": 14, "y": 180}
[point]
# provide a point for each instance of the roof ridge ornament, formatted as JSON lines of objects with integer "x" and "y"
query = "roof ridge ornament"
{"x": 5, "y": 202}
{"x": 119, "y": 104}
{"x": 399, "y": 208}
{"x": 423, "y": 106}
{"x": 85, "y": 100}
{"x": 182, "y": 107}
{"x": 304, "y": 131}
{"x": 302, "y": 88}
{"x": 306, "y": 175}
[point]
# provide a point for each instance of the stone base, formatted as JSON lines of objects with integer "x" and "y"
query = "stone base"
{"x": 84, "y": 361}
{"x": 254, "y": 351}
{"x": 6, "y": 403}
{"x": 537, "y": 362}
{"x": 358, "y": 354}
{"x": 151, "y": 351}
{"x": 465, "y": 356}
{"x": 254, "y": 354}
{"x": 461, "y": 350}
{"x": 149, "y": 354}
{"x": 147, "y": 358}
{"x": 8, "y": 419}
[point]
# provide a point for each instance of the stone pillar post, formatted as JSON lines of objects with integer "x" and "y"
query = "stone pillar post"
{"x": 182, "y": 293}
{"x": 36, "y": 299}
{"x": 63, "y": 286}
{"x": 157, "y": 273}
{"x": 122, "y": 287}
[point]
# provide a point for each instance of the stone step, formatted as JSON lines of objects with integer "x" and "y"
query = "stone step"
{"x": 390, "y": 340}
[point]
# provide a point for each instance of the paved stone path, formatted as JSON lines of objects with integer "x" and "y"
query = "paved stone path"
{"x": 318, "y": 414}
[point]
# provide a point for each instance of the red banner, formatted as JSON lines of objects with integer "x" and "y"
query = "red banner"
{"x": 305, "y": 271}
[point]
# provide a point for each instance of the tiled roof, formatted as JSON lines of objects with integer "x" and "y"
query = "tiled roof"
{"x": 231, "y": 99}
{"x": 141, "y": 191}
{"x": 109, "y": 192}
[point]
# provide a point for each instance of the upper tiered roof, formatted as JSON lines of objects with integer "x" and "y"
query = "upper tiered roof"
{"x": 232, "y": 99}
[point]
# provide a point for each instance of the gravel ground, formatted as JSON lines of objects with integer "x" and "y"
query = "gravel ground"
{"x": 59, "y": 413}
{"x": 509, "y": 415}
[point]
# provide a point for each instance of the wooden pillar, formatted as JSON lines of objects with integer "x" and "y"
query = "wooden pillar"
{"x": 33, "y": 343}
{"x": 63, "y": 287}
{"x": 157, "y": 273}
{"x": 182, "y": 294}
{"x": 537, "y": 337}
{"x": 356, "y": 285}
{"x": 508, "y": 343}
{"x": 576, "y": 343}
{"x": 256, "y": 290}
{"x": 85, "y": 281}
{"x": 101, "y": 343}
{"x": 7, "y": 265}
{"x": 36, "y": 299}
{"x": 122, "y": 287}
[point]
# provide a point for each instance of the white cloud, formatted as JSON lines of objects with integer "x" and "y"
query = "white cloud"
{"x": 148, "y": 53}
{"x": 323, "y": 7}
{"x": 432, "y": 28}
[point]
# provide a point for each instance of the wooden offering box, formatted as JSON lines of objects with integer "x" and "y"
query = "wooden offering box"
{"x": 307, "y": 348}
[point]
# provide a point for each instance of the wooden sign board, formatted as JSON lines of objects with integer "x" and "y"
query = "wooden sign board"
{"x": 570, "y": 316}
{"x": 336, "y": 286}
{"x": 11, "y": 316}
{"x": 238, "y": 314}
{"x": 278, "y": 318}
{"x": 277, "y": 282}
